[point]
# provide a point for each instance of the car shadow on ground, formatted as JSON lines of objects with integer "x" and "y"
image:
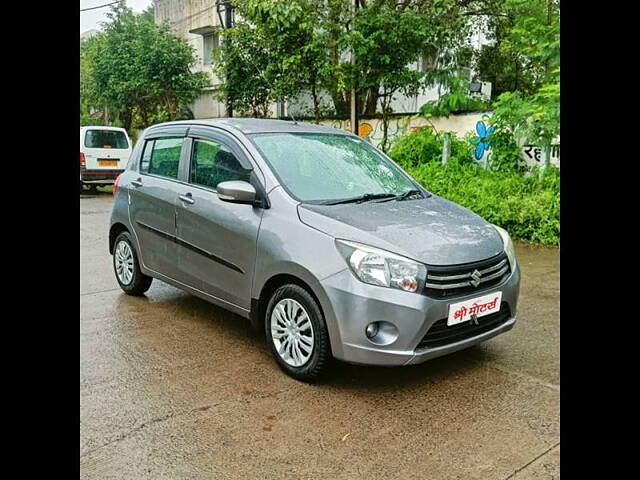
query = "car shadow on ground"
{"x": 96, "y": 192}
{"x": 341, "y": 375}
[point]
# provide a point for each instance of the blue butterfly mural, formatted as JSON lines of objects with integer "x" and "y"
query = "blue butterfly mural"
{"x": 483, "y": 140}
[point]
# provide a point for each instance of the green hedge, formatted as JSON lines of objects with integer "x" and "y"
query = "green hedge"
{"x": 423, "y": 146}
{"x": 526, "y": 205}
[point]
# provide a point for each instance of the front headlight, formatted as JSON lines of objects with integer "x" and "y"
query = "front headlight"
{"x": 379, "y": 267}
{"x": 508, "y": 246}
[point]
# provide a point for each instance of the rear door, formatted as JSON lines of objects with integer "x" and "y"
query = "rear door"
{"x": 106, "y": 149}
{"x": 154, "y": 194}
{"x": 217, "y": 240}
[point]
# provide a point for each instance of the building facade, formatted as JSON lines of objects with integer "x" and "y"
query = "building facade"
{"x": 195, "y": 21}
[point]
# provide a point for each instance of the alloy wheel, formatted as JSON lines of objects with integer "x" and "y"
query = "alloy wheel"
{"x": 292, "y": 332}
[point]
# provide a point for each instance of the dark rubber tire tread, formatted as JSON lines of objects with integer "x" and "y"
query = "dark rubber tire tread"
{"x": 140, "y": 282}
{"x": 321, "y": 357}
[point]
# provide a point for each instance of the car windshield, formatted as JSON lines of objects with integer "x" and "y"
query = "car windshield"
{"x": 328, "y": 168}
{"x": 105, "y": 139}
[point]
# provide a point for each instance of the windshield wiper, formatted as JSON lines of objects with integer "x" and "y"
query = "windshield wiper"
{"x": 361, "y": 198}
{"x": 407, "y": 194}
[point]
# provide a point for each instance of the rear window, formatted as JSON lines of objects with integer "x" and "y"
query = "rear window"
{"x": 105, "y": 139}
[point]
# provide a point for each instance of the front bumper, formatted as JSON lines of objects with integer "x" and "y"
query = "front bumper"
{"x": 353, "y": 305}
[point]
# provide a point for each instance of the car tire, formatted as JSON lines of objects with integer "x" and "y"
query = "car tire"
{"x": 298, "y": 359}
{"x": 131, "y": 279}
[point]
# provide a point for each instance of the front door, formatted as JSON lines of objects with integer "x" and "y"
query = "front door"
{"x": 217, "y": 239}
{"x": 152, "y": 207}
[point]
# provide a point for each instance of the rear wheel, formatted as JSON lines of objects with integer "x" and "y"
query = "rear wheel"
{"x": 126, "y": 267}
{"x": 297, "y": 334}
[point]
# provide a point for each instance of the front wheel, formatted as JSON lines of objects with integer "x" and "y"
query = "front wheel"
{"x": 297, "y": 334}
{"x": 126, "y": 267}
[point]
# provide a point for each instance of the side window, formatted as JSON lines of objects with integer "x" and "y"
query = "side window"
{"x": 212, "y": 163}
{"x": 162, "y": 157}
{"x": 146, "y": 156}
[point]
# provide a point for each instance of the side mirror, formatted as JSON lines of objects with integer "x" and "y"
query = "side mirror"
{"x": 236, "y": 191}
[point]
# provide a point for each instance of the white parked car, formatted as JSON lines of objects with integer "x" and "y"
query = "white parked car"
{"x": 104, "y": 153}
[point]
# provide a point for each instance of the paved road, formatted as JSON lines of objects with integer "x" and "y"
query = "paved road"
{"x": 172, "y": 387}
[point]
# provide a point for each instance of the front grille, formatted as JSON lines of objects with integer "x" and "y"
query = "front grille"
{"x": 440, "y": 334}
{"x": 455, "y": 280}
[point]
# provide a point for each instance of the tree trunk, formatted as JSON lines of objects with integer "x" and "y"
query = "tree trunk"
{"x": 341, "y": 104}
{"x": 546, "y": 64}
{"x": 125, "y": 118}
{"x": 384, "y": 101}
{"x": 316, "y": 105}
{"x": 372, "y": 102}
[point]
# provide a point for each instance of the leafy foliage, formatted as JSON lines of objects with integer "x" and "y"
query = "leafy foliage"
{"x": 278, "y": 48}
{"x": 141, "y": 71}
{"x": 385, "y": 42}
{"x": 294, "y": 46}
{"x": 89, "y": 103}
{"x": 534, "y": 116}
{"x": 242, "y": 63}
{"x": 505, "y": 152}
{"x": 528, "y": 207}
{"x": 424, "y": 146}
{"x": 456, "y": 100}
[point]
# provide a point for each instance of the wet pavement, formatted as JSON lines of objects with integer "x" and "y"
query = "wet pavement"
{"x": 172, "y": 387}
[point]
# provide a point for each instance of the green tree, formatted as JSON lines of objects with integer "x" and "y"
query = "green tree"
{"x": 142, "y": 71}
{"x": 306, "y": 45}
{"x": 534, "y": 117}
{"x": 243, "y": 65}
{"x": 385, "y": 42}
{"x": 278, "y": 41}
{"x": 89, "y": 102}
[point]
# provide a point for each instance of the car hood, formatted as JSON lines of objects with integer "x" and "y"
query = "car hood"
{"x": 432, "y": 230}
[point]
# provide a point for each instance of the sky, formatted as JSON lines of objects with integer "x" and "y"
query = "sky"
{"x": 92, "y": 18}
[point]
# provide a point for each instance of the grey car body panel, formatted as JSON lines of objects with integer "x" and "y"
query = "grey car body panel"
{"x": 432, "y": 230}
{"x": 217, "y": 247}
{"x": 226, "y": 253}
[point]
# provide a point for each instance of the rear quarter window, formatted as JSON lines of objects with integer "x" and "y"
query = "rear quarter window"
{"x": 106, "y": 139}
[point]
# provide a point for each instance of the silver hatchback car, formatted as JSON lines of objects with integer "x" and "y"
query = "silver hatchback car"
{"x": 317, "y": 237}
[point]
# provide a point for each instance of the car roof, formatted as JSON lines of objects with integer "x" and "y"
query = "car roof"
{"x": 102, "y": 127}
{"x": 258, "y": 125}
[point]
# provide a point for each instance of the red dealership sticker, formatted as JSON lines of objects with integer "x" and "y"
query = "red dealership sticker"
{"x": 478, "y": 307}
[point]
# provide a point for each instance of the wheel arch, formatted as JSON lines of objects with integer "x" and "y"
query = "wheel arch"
{"x": 115, "y": 230}
{"x": 259, "y": 305}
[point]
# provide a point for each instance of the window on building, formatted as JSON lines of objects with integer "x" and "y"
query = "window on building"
{"x": 212, "y": 163}
{"x": 209, "y": 44}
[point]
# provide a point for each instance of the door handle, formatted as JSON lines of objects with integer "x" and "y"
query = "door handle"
{"x": 187, "y": 198}
{"x": 137, "y": 183}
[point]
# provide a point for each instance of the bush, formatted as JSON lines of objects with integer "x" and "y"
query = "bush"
{"x": 528, "y": 207}
{"x": 505, "y": 152}
{"x": 424, "y": 146}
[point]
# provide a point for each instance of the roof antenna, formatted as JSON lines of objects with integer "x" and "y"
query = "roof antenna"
{"x": 295, "y": 122}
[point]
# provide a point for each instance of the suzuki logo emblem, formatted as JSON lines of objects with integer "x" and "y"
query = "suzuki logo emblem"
{"x": 475, "y": 278}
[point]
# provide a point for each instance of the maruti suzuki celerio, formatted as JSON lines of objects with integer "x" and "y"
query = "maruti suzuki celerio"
{"x": 317, "y": 237}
